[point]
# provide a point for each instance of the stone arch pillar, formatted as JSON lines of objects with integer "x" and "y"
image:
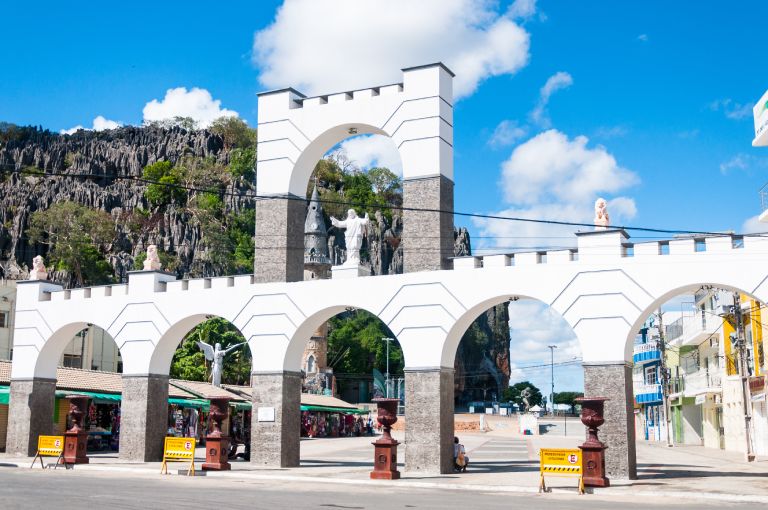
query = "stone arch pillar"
{"x": 295, "y": 131}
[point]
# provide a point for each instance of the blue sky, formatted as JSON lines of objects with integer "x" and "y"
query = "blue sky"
{"x": 655, "y": 95}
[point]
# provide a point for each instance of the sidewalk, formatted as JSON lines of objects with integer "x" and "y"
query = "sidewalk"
{"x": 680, "y": 472}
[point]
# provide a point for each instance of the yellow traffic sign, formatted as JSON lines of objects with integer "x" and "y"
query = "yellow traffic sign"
{"x": 49, "y": 446}
{"x": 560, "y": 462}
{"x": 179, "y": 449}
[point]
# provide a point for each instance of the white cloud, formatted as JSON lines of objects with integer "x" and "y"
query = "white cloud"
{"x": 554, "y": 177}
{"x": 196, "y": 103}
{"x": 753, "y": 226}
{"x": 738, "y": 162}
{"x": 642, "y": 37}
{"x": 732, "y": 109}
{"x": 608, "y": 132}
{"x": 552, "y": 167}
{"x": 71, "y": 131}
{"x": 370, "y": 151}
{"x": 507, "y": 133}
{"x": 522, "y": 9}
{"x": 558, "y": 81}
{"x": 100, "y": 123}
{"x": 359, "y": 43}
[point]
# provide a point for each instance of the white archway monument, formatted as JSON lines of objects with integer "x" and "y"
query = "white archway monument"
{"x": 296, "y": 131}
{"x": 604, "y": 289}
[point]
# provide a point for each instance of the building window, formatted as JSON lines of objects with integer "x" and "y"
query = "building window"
{"x": 650, "y": 376}
{"x": 72, "y": 361}
{"x": 4, "y": 322}
{"x": 311, "y": 365}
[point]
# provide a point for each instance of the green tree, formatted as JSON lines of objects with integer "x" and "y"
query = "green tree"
{"x": 235, "y": 132}
{"x": 242, "y": 163}
{"x": 165, "y": 179}
{"x": 74, "y": 234}
{"x": 513, "y": 394}
{"x": 355, "y": 344}
{"x": 189, "y": 361}
{"x": 568, "y": 398}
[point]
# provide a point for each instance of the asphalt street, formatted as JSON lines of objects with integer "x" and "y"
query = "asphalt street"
{"x": 21, "y": 488}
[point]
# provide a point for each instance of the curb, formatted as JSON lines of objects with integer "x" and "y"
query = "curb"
{"x": 625, "y": 491}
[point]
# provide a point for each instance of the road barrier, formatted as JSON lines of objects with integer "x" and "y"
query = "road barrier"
{"x": 560, "y": 462}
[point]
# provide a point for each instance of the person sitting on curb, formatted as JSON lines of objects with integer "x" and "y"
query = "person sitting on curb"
{"x": 460, "y": 459}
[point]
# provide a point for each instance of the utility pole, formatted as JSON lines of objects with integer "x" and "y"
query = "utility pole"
{"x": 386, "y": 377}
{"x": 552, "y": 366}
{"x": 738, "y": 341}
{"x": 664, "y": 379}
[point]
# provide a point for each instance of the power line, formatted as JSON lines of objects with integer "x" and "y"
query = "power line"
{"x": 258, "y": 197}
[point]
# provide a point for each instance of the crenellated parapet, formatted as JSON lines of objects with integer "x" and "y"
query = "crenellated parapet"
{"x": 604, "y": 289}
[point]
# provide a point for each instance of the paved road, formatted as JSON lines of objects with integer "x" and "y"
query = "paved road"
{"x": 22, "y": 489}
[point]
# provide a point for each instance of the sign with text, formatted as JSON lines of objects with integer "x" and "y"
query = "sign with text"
{"x": 49, "y": 446}
{"x": 560, "y": 462}
{"x": 179, "y": 449}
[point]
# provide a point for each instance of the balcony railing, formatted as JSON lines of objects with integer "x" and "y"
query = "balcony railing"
{"x": 697, "y": 327}
{"x": 647, "y": 393}
{"x": 649, "y": 351}
{"x": 702, "y": 381}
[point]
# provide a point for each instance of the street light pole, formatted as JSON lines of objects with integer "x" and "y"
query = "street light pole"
{"x": 386, "y": 376}
{"x": 552, "y": 366}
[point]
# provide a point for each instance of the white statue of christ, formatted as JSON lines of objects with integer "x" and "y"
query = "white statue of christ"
{"x": 353, "y": 236}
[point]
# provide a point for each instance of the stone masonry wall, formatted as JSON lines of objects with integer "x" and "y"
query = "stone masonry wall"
{"x": 427, "y": 236}
{"x": 429, "y": 411}
{"x": 618, "y": 432}
{"x": 30, "y": 414}
{"x": 279, "y": 242}
{"x": 276, "y": 444}
{"x": 144, "y": 417}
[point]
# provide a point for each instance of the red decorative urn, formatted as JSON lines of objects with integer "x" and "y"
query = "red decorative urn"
{"x": 76, "y": 438}
{"x": 216, "y": 441}
{"x": 385, "y": 448}
{"x": 593, "y": 450}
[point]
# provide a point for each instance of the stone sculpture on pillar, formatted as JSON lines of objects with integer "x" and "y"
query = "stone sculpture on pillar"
{"x": 602, "y": 221}
{"x": 385, "y": 448}
{"x": 39, "y": 272}
{"x": 216, "y": 354}
{"x": 152, "y": 262}
{"x": 217, "y": 442}
{"x": 353, "y": 236}
{"x": 75, "y": 438}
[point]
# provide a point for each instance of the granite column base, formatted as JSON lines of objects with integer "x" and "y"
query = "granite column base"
{"x": 276, "y": 419}
{"x": 429, "y": 421}
{"x": 143, "y": 417}
{"x": 30, "y": 414}
{"x": 614, "y": 381}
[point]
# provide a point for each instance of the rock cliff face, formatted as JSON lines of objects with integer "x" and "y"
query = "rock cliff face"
{"x": 102, "y": 161}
